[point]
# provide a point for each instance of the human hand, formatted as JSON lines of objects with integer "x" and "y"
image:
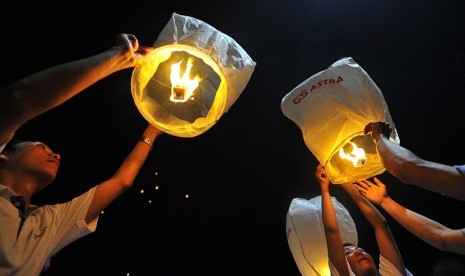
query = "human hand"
{"x": 322, "y": 177}
{"x": 375, "y": 192}
{"x": 378, "y": 128}
{"x": 129, "y": 46}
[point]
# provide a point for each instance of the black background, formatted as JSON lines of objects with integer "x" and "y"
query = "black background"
{"x": 242, "y": 173}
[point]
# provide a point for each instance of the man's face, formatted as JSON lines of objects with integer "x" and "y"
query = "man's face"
{"x": 360, "y": 262}
{"x": 34, "y": 158}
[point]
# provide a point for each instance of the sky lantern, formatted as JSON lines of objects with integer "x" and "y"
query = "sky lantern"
{"x": 332, "y": 109}
{"x": 192, "y": 77}
{"x": 306, "y": 234}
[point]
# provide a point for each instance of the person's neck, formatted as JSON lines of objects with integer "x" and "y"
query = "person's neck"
{"x": 22, "y": 185}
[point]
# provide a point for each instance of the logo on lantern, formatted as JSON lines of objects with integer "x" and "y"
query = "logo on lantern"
{"x": 357, "y": 156}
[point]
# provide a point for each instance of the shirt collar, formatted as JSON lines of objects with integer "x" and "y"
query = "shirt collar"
{"x": 7, "y": 193}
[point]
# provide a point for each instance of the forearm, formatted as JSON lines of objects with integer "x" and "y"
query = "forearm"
{"x": 49, "y": 88}
{"x": 398, "y": 161}
{"x": 123, "y": 179}
{"x": 131, "y": 166}
{"x": 369, "y": 211}
{"x": 421, "y": 226}
{"x": 328, "y": 212}
{"x": 412, "y": 169}
{"x": 372, "y": 214}
{"x": 386, "y": 243}
{"x": 333, "y": 238}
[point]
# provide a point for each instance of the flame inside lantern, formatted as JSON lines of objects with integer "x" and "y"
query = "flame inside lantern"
{"x": 357, "y": 156}
{"x": 182, "y": 87}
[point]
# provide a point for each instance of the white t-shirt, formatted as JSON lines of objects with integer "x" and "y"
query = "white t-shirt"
{"x": 43, "y": 233}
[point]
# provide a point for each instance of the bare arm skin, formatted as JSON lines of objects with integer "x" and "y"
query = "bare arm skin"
{"x": 384, "y": 238}
{"x": 430, "y": 231}
{"x": 411, "y": 169}
{"x": 42, "y": 91}
{"x": 336, "y": 252}
{"x": 123, "y": 179}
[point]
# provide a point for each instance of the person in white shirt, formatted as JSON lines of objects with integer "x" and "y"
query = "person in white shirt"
{"x": 29, "y": 234}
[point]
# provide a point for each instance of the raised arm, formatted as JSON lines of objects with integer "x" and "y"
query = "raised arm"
{"x": 336, "y": 252}
{"x": 386, "y": 242}
{"x": 430, "y": 231}
{"x": 42, "y": 91}
{"x": 411, "y": 169}
{"x": 124, "y": 177}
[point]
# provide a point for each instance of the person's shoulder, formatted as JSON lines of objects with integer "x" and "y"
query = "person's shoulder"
{"x": 386, "y": 268}
{"x": 461, "y": 169}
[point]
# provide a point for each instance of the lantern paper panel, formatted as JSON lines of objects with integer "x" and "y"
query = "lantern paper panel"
{"x": 191, "y": 78}
{"x": 306, "y": 234}
{"x": 332, "y": 109}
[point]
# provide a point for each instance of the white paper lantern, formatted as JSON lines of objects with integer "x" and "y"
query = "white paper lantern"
{"x": 332, "y": 109}
{"x": 191, "y": 78}
{"x": 306, "y": 234}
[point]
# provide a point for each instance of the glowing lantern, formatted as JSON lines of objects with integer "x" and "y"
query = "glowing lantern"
{"x": 306, "y": 234}
{"x": 192, "y": 77}
{"x": 332, "y": 109}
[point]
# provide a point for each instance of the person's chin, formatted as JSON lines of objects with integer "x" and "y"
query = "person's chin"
{"x": 365, "y": 264}
{"x": 47, "y": 178}
{"x": 364, "y": 259}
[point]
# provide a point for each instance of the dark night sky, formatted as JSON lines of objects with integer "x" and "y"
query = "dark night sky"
{"x": 241, "y": 174}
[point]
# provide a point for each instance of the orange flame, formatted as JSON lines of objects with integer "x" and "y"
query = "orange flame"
{"x": 357, "y": 156}
{"x": 182, "y": 87}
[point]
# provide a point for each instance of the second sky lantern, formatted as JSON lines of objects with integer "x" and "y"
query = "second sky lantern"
{"x": 332, "y": 109}
{"x": 192, "y": 77}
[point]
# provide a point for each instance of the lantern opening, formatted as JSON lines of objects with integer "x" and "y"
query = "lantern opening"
{"x": 355, "y": 157}
{"x": 183, "y": 82}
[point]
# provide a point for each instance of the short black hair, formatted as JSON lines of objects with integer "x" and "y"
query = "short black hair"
{"x": 348, "y": 244}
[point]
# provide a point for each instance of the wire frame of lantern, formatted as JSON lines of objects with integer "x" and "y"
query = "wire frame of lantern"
{"x": 179, "y": 89}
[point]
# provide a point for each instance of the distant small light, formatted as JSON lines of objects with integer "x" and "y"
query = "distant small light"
{"x": 150, "y": 201}
{"x": 142, "y": 191}
{"x": 102, "y": 212}
{"x": 157, "y": 187}
{"x": 187, "y": 195}
{"x": 156, "y": 173}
